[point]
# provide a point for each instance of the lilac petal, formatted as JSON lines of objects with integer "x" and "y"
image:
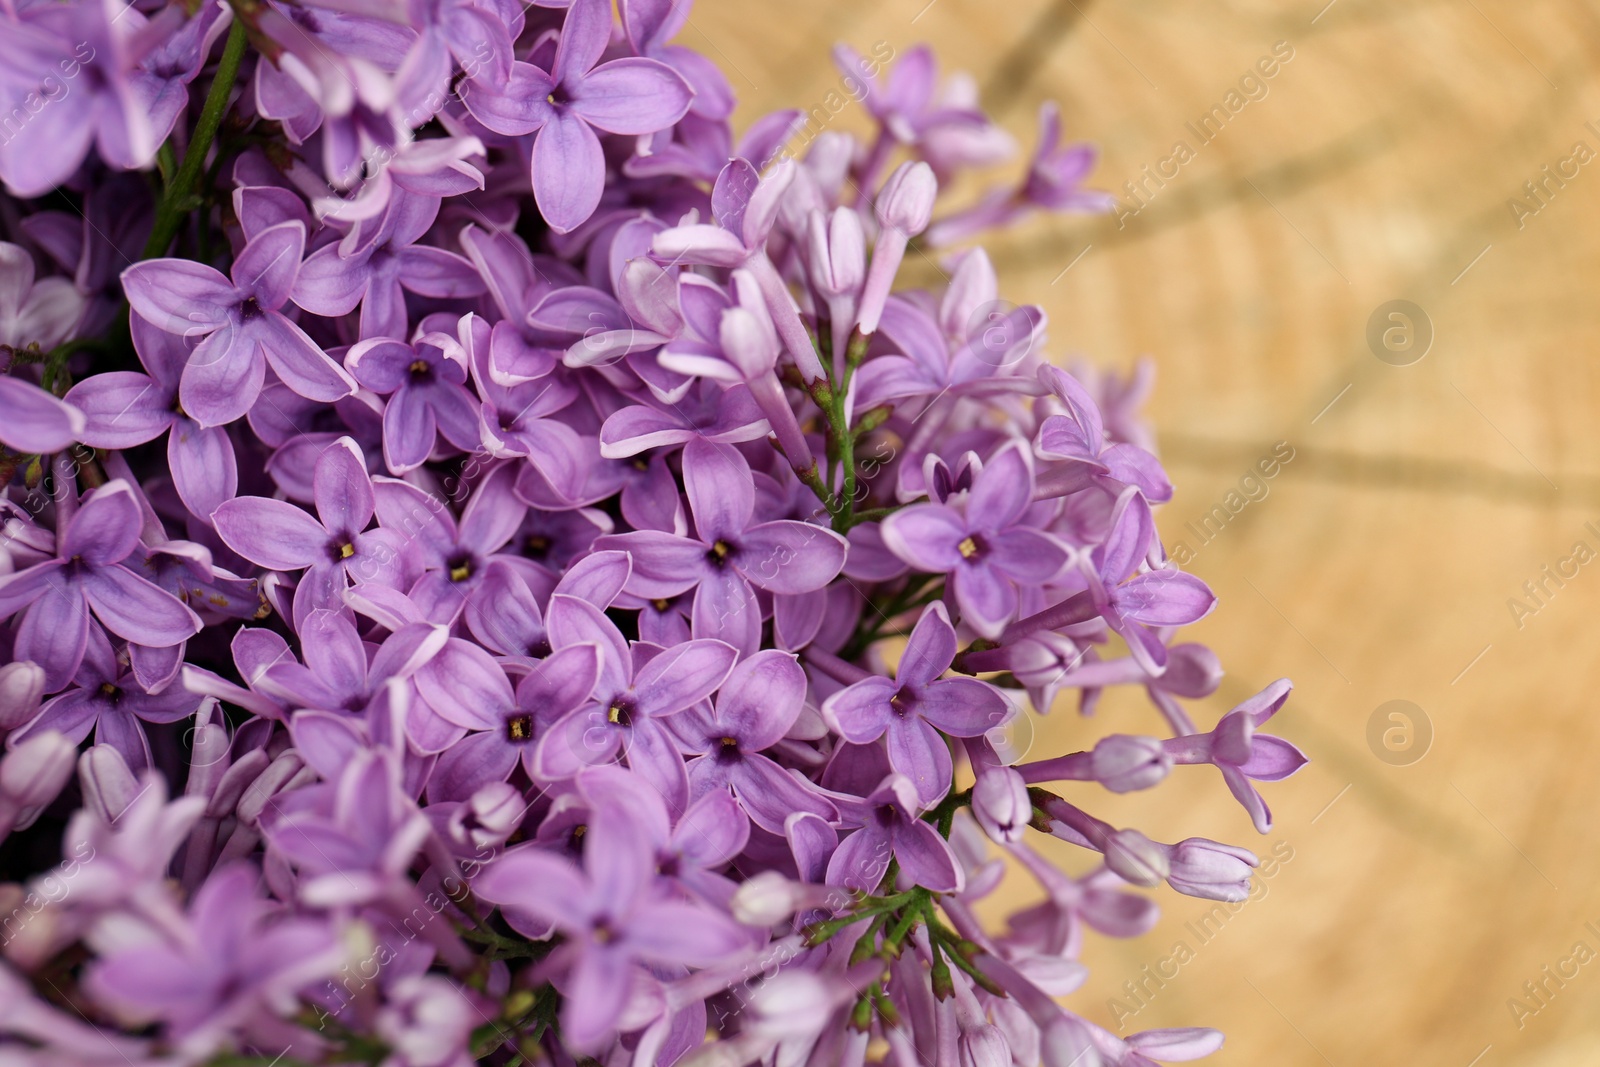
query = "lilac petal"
{"x": 917, "y": 751}
{"x": 677, "y": 932}
{"x": 663, "y": 565}
{"x": 568, "y": 171}
{"x": 1164, "y": 598}
{"x": 926, "y": 536}
{"x": 584, "y": 36}
{"x": 204, "y": 470}
{"x": 987, "y": 600}
{"x": 537, "y": 881}
{"x": 138, "y": 610}
{"x": 409, "y": 431}
{"x": 769, "y": 794}
{"x": 437, "y": 273}
{"x": 271, "y": 533}
{"x": 267, "y": 265}
{"x": 725, "y": 608}
{"x": 466, "y": 686}
{"x": 561, "y": 682}
{"x": 761, "y": 699}
{"x": 721, "y": 494}
{"x": 106, "y": 528}
{"x": 54, "y": 634}
{"x": 415, "y": 515}
{"x": 712, "y": 831}
{"x": 474, "y": 761}
{"x": 1028, "y": 557}
{"x": 654, "y": 757}
{"x": 598, "y": 577}
{"x": 700, "y": 244}
{"x": 572, "y": 621}
{"x": 329, "y": 284}
{"x": 342, "y": 490}
{"x": 683, "y": 676}
{"x": 925, "y": 858}
{"x": 223, "y": 377}
{"x": 120, "y": 409}
{"x": 21, "y": 588}
{"x": 583, "y": 739}
{"x": 860, "y": 860}
{"x": 1134, "y": 466}
{"x": 1272, "y": 759}
{"x": 1002, "y": 491}
{"x": 493, "y": 515}
{"x": 597, "y": 992}
{"x": 632, "y": 96}
{"x": 334, "y": 652}
{"x": 931, "y": 648}
{"x": 178, "y": 295}
{"x": 963, "y": 707}
{"x": 790, "y": 557}
{"x": 521, "y": 109}
{"x": 1132, "y": 533}
{"x": 303, "y": 366}
{"x": 862, "y": 711}
{"x": 72, "y": 714}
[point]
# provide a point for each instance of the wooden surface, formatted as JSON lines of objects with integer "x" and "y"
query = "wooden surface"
{"x": 1379, "y": 166}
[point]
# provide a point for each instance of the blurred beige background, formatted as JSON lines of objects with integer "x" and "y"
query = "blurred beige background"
{"x": 1427, "y": 887}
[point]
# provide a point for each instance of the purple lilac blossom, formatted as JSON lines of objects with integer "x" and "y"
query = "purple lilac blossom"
{"x": 462, "y": 564}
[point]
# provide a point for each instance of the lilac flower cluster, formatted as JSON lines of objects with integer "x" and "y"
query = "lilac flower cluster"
{"x": 498, "y": 570}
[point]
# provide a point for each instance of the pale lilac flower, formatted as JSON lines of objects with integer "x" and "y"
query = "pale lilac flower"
{"x": 567, "y": 104}
{"x": 917, "y": 706}
{"x": 889, "y": 829}
{"x": 240, "y": 323}
{"x": 89, "y": 574}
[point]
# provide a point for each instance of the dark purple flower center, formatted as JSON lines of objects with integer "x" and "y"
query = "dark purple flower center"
{"x": 519, "y": 729}
{"x": 602, "y": 931}
{"x": 720, "y": 553}
{"x": 249, "y": 309}
{"x": 669, "y": 865}
{"x": 420, "y": 370}
{"x": 110, "y": 693}
{"x": 972, "y": 547}
{"x": 727, "y": 750}
{"x": 904, "y": 702}
{"x": 621, "y": 711}
{"x": 886, "y": 816}
{"x": 537, "y": 546}
{"x": 461, "y": 566}
{"x": 661, "y": 604}
{"x": 341, "y": 548}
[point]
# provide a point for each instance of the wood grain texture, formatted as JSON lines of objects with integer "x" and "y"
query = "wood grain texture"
{"x": 1379, "y": 165}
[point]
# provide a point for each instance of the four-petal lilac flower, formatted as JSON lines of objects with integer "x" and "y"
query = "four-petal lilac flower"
{"x": 240, "y": 324}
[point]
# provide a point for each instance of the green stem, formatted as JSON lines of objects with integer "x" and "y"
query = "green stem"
{"x": 175, "y": 202}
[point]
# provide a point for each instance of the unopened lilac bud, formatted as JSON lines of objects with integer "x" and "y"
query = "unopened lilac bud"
{"x": 108, "y": 784}
{"x": 984, "y": 1046}
{"x": 838, "y": 252}
{"x": 1000, "y": 803}
{"x": 1202, "y": 868}
{"x": 1193, "y": 671}
{"x": 279, "y": 777}
{"x": 1124, "y": 763}
{"x": 1136, "y": 858}
{"x": 790, "y": 1003}
{"x": 766, "y": 899}
{"x": 21, "y": 687}
{"x": 489, "y": 817}
{"x": 906, "y": 200}
{"x": 32, "y": 775}
{"x": 209, "y": 752}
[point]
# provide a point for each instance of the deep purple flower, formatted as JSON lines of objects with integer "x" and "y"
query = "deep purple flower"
{"x": 425, "y": 384}
{"x": 88, "y": 575}
{"x": 1241, "y": 754}
{"x": 240, "y": 323}
{"x": 567, "y": 104}
{"x": 917, "y": 706}
{"x": 110, "y": 703}
{"x": 124, "y": 408}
